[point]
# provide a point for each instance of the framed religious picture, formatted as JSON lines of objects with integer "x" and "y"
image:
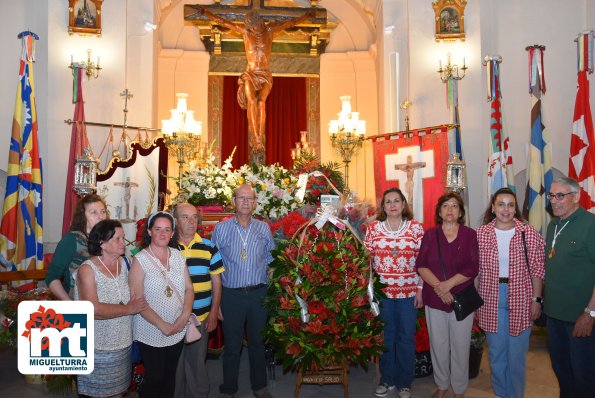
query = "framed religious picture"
{"x": 84, "y": 17}
{"x": 450, "y": 19}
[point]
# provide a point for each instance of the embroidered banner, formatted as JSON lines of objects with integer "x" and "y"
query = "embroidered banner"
{"x": 417, "y": 165}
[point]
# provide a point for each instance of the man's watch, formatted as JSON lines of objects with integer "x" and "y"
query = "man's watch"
{"x": 538, "y": 299}
{"x": 590, "y": 312}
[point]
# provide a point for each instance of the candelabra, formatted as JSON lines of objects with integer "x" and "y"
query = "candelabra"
{"x": 347, "y": 134}
{"x": 91, "y": 68}
{"x": 182, "y": 134}
{"x": 302, "y": 147}
{"x": 451, "y": 71}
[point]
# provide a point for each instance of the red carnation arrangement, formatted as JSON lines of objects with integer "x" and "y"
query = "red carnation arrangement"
{"x": 327, "y": 271}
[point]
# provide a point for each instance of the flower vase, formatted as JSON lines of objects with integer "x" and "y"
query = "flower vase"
{"x": 423, "y": 364}
{"x": 475, "y": 355}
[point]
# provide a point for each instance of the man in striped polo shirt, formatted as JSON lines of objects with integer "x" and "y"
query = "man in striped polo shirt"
{"x": 205, "y": 266}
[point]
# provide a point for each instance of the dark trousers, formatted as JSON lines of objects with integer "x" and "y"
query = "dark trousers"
{"x": 573, "y": 359}
{"x": 160, "y": 370}
{"x": 241, "y": 308}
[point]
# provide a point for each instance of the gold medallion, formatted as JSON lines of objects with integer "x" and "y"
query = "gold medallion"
{"x": 244, "y": 254}
{"x": 168, "y": 291}
{"x": 552, "y": 253}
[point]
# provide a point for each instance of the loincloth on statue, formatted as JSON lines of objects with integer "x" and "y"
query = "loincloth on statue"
{"x": 257, "y": 78}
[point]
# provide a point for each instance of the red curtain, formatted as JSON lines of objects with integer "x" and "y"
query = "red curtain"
{"x": 287, "y": 115}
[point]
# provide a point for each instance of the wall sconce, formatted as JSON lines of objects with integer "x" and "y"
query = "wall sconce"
{"x": 455, "y": 174}
{"x": 347, "y": 134}
{"x": 91, "y": 69}
{"x": 451, "y": 71}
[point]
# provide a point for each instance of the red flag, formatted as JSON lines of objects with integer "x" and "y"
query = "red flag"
{"x": 582, "y": 145}
{"x": 78, "y": 141}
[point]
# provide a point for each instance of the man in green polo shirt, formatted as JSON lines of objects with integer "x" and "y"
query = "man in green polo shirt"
{"x": 205, "y": 267}
{"x": 570, "y": 290}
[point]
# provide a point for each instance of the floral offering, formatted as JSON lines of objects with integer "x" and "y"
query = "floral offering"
{"x": 320, "y": 313}
{"x": 208, "y": 185}
{"x": 275, "y": 189}
{"x": 317, "y": 185}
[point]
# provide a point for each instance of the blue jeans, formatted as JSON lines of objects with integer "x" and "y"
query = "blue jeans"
{"x": 508, "y": 354}
{"x": 397, "y": 364}
{"x": 573, "y": 359}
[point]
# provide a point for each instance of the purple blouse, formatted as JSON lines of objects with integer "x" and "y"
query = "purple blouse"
{"x": 461, "y": 256}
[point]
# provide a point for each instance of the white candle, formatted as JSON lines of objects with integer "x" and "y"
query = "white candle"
{"x": 99, "y": 58}
{"x": 71, "y": 59}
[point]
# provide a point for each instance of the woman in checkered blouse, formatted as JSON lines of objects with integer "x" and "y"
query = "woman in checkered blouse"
{"x": 510, "y": 288}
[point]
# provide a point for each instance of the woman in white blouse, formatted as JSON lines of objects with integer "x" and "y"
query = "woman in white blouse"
{"x": 159, "y": 273}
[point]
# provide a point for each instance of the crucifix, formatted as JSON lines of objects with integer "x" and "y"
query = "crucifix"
{"x": 401, "y": 167}
{"x": 260, "y": 25}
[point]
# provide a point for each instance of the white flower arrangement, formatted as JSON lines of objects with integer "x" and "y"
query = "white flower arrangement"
{"x": 275, "y": 188}
{"x": 213, "y": 185}
{"x": 209, "y": 185}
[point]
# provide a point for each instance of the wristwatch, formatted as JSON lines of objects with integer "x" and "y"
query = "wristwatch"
{"x": 590, "y": 312}
{"x": 537, "y": 299}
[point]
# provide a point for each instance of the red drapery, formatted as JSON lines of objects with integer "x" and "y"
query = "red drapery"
{"x": 286, "y": 117}
{"x": 78, "y": 141}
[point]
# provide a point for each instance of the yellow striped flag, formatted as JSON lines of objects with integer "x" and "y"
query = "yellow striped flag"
{"x": 21, "y": 231}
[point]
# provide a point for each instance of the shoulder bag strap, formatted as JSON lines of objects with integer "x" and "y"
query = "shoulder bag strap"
{"x": 167, "y": 280}
{"x": 526, "y": 254}
{"x": 440, "y": 254}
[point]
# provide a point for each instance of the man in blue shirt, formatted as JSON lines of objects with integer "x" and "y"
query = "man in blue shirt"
{"x": 245, "y": 245}
{"x": 205, "y": 267}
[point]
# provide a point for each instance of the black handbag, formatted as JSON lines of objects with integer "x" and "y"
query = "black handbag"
{"x": 541, "y": 321}
{"x": 466, "y": 301}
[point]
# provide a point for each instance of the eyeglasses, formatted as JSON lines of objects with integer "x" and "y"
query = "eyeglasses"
{"x": 558, "y": 196}
{"x": 245, "y": 198}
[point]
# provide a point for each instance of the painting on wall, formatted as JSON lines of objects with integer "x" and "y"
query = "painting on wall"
{"x": 84, "y": 17}
{"x": 450, "y": 19}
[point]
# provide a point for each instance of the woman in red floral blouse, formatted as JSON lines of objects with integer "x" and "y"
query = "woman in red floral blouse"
{"x": 511, "y": 271}
{"x": 393, "y": 242}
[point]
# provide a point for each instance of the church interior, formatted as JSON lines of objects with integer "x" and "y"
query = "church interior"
{"x": 388, "y": 56}
{"x": 380, "y": 53}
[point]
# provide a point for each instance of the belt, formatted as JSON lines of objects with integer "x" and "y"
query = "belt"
{"x": 249, "y": 288}
{"x": 502, "y": 280}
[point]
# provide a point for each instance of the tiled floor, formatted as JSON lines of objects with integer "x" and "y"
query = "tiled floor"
{"x": 541, "y": 382}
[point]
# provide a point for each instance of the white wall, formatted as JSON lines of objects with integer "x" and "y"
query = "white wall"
{"x": 504, "y": 27}
{"x": 53, "y": 79}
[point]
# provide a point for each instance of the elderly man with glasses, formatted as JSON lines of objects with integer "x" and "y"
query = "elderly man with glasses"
{"x": 245, "y": 245}
{"x": 570, "y": 290}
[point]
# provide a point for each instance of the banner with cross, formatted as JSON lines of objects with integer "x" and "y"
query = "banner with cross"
{"x": 415, "y": 162}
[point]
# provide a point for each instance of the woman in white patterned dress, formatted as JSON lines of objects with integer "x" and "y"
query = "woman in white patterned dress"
{"x": 393, "y": 242}
{"x": 159, "y": 273}
{"x": 103, "y": 280}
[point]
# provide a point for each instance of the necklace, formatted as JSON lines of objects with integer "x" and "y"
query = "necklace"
{"x": 114, "y": 278}
{"x": 398, "y": 231}
{"x": 244, "y": 254}
{"x": 168, "y": 290}
{"x": 557, "y": 233}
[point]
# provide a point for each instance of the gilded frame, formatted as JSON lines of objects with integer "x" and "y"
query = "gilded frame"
{"x": 450, "y": 19}
{"x": 84, "y": 17}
